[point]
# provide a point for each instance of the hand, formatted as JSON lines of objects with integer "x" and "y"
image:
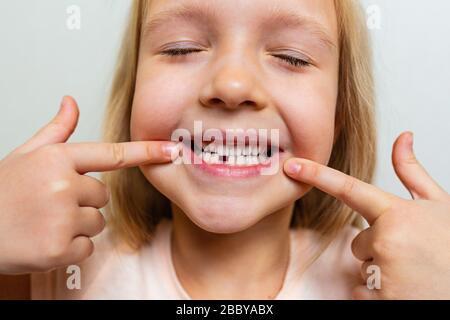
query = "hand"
{"x": 408, "y": 240}
{"x": 48, "y": 208}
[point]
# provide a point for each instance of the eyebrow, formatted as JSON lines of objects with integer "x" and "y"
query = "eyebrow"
{"x": 201, "y": 14}
{"x": 205, "y": 16}
{"x": 278, "y": 17}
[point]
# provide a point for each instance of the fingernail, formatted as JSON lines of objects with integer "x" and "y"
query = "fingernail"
{"x": 293, "y": 167}
{"x": 170, "y": 148}
{"x": 63, "y": 103}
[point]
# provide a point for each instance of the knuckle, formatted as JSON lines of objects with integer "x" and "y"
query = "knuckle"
{"x": 59, "y": 128}
{"x": 150, "y": 151}
{"x": 347, "y": 188}
{"x": 405, "y": 161}
{"x": 411, "y": 159}
{"x": 384, "y": 246}
{"x": 55, "y": 251}
{"x": 312, "y": 171}
{"x": 118, "y": 154}
{"x": 58, "y": 237}
{"x": 60, "y": 187}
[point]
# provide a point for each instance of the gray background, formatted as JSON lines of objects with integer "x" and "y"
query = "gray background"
{"x": 41, "y": 60}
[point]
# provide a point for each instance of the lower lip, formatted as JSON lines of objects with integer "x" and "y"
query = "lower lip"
{"x": 223, "y": 170}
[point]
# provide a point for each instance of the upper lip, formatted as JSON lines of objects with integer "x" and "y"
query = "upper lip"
{"x": 238, "y": 135}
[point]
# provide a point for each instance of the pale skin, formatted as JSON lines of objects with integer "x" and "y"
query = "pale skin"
{"x": 407, "y": 239}
{"x": 43, "y": 230}
{"x": 421, "y": 225}
{"x": 234, "y": 79}
{"x": 226, "y": 254}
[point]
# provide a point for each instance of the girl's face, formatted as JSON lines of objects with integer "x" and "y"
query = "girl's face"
{"x": 253, "y": 64}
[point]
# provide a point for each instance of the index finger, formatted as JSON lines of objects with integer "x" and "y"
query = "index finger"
{"x": 99, "y": 157}
{"x": 362, "y": 197}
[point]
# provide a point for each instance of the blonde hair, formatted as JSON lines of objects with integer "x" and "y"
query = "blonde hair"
{"x": 136, "y": 206}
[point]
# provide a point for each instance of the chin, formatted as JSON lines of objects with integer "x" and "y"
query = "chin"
{"x": 222, "y": 206}
{"x": 222, "y": 215}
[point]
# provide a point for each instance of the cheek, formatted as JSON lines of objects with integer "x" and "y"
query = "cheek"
{"x": 309, "y": 114}
{"x": 157, "y": 106}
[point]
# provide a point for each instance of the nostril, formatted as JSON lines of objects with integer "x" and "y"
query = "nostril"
{"x": 216, "y": 101}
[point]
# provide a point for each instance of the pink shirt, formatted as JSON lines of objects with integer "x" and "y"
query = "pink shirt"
{"x": 115, "y": 272}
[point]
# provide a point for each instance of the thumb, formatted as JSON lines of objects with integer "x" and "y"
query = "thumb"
{"x": 58, "y": 130}
{"x": 411, "y": 173}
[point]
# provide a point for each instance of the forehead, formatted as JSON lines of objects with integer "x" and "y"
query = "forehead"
{"x": 317, "y": 16}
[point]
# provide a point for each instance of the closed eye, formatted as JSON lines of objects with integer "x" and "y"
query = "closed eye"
{"x": 180, "y": 51}
{"x": 296, "y": 62}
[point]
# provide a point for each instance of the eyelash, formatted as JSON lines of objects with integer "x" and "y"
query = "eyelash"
{"x": 288, "y": 59}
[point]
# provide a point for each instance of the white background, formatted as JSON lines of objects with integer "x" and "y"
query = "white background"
{"x": 41, "y": 60}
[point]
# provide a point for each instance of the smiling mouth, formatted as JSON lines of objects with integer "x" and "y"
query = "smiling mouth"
{"x": 232, "y": 154}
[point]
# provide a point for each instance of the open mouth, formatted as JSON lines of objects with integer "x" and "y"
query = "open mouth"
{"x": 231, "y": 153}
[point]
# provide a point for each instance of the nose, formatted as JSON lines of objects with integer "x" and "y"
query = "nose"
{"x": 233, "y": 86}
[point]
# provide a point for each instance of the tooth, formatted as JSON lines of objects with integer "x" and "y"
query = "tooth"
{"x": 262, "y": 149}
{"x": 253, "y": 160}
{"x": 230, "y": 150}
{"x": 220, "y": 150}
{"x": 248, "y": 151}
{"x": 239, "y": 150}
{"x": 263, "y": 159}
{"x": 214, "y": 159}
{"x": 240, "y": 160}
{"x": 231, "y": 160}
{"x": 206, "y": 156}
{"x": 254, "y": 150}
{"x": 211, "y": 148}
